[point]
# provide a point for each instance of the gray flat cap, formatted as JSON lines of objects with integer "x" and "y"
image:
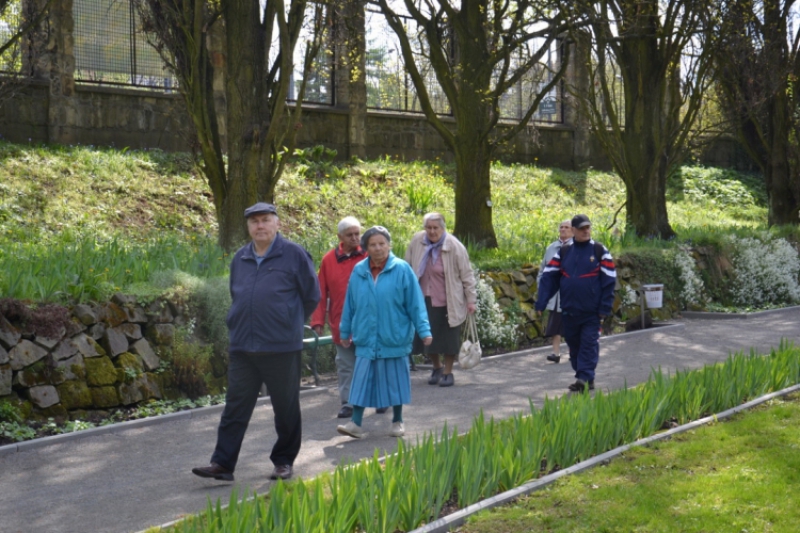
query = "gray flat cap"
{"x": 260, "y": 208}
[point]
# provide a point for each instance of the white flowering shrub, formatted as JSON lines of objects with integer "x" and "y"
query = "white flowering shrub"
{"x": 766, "y": 271}
{"x": 692, "y": 286}
{"x": 493, "y": 327}
{"x": 628, "y": 295}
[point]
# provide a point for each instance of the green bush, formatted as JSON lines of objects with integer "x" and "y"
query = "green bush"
{"x": 191, "y": 363}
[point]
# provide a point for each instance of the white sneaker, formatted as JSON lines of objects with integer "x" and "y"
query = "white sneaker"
{"x": 397, "y": 429}
{"x": 351, "y": 430}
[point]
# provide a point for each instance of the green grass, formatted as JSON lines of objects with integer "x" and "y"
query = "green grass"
{"x": 96, "y": 220}
{"x": 738, "y": 475}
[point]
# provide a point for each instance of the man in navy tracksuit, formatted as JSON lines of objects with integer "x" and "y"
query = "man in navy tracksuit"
{"x": 274, "y": 290}
{"x": 585, "y": 274}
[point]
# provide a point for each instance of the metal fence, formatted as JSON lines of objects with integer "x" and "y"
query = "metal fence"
{"x": 10, "y": 20}
{"x": 110, "y": 48}
{"x": 319, "y": 83}
{"x": 389, "y": 87}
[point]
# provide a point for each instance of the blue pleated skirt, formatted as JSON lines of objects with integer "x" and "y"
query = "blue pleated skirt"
{"x": 381, "y": 382}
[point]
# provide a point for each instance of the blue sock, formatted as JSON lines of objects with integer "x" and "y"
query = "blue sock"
{"x": 358, "y": 415}
{"x": 398, "y": 413}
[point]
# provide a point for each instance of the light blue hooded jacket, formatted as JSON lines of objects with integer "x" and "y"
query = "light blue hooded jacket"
{"x": 381, "y": 315}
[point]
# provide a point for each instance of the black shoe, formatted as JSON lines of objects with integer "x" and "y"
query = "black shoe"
{"x": 281, "y": 472}
{"x": 447, "y": 380}
{"x": 345, "y": 412}
{"x": 581, "y": 386}
{"x": 213, "y": 471}
{"x": 554, "y": 358}
{"x": 436, "y": 376}
{"x": 381, "y": 410}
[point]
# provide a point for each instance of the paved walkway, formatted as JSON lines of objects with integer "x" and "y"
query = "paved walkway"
{"x": 130, "y": 479}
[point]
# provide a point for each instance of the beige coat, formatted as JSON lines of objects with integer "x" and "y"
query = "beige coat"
{"x": 459, "y": 280}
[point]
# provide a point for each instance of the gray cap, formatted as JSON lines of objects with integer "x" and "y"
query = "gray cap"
{"x": 373, "y": 231}
{"x": 260, "y": 208}
{"x": 579, "y": 221}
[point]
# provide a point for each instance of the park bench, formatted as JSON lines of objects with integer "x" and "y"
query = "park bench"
{"x": 313, "y": 344}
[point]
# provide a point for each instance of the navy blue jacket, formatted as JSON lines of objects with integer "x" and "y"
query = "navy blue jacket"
{"x": 586, "y": 281}
{"x": 271, "y": 302}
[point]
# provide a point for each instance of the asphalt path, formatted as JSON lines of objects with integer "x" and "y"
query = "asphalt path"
{"x": 128, "y": 479}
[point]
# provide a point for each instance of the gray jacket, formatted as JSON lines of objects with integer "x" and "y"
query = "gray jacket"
{"x": 552, "y": 250}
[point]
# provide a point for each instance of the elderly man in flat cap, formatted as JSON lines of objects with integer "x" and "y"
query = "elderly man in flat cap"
{"x": 274, "y": 290}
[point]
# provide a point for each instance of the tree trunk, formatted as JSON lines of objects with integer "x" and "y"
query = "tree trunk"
{"x": 782, "y": 187}
{"x": 473, "y": 194}
{"x": 247, "y": 120}
{"x": 647, "y": 136}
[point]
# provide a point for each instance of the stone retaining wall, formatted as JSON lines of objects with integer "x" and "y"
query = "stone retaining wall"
{"x": 517, "y": 290}
{"x": 106, "y": 356}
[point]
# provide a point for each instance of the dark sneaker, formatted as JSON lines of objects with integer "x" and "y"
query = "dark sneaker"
{"x": 554, "y": 358}
{"x": 447, "y": 380}
{"x": 281, "y": 472}
{"x": 381, "y": 410}
{"x": 579, "y": 386}
{"x": 213, "y": 471}
{"x": 436, "y": 375}
{"x": 345, "y": 412}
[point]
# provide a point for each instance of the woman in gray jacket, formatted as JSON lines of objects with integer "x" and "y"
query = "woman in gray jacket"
{"x": 553, "y": 328}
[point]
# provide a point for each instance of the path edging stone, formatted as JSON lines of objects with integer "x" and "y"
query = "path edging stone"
{"x": 131, "y": 424}
{"x": 703, "y": 315}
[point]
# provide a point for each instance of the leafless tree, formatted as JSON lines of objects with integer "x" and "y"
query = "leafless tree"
{"x": 256, "y": 71}
{"x": 478, "y": 51}
{"x": 757, "y": 72}
{"x": 649, "y": 66}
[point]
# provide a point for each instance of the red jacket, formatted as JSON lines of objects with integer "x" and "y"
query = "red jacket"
{"x": 334, "y": 274}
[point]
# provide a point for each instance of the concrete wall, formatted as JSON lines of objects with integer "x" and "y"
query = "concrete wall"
{"x": 138, "y": 119}
{"x": 54, "y": 108}
{"x": 101, "y": 116}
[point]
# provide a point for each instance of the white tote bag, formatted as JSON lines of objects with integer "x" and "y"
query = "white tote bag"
{"x": 470, "y": 354}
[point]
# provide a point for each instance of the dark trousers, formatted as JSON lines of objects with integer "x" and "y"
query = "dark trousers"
{"x": 582, "y": 334}
{"x": 246, "y": 372}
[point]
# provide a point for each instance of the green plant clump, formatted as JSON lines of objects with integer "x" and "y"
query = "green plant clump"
{"x": 412, "y": 486}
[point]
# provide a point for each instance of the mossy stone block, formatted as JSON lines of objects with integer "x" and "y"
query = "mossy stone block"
{"x": 103, "y": 397}
{"x": 34, "y": 375}
{"x": 74, "y": 395}
{"x": 57, "y": 412}
{"x": 127, "y": 360}
{"x": 100, "y": 371}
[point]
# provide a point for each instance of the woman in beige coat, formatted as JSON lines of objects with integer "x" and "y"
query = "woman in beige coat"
{"x": 442, "y": 266}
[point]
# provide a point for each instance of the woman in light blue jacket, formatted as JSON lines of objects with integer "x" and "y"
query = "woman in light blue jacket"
{"x": 382, "y": 309}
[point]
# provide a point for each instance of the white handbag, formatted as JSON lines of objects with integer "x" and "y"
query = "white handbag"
{"x": 470, "y": 354}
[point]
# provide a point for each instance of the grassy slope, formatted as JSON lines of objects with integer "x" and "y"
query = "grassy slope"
{"x": 78, "y": 187}
{"x": 47, "y": 190}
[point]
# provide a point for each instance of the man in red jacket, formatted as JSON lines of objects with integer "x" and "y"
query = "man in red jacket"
{"x": 334, "y": 275}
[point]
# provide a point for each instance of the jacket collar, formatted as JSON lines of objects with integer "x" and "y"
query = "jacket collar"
{"x": 248, "y": 253}
{"x": 359, "y": 253}
{"x": 364, "y": 267}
